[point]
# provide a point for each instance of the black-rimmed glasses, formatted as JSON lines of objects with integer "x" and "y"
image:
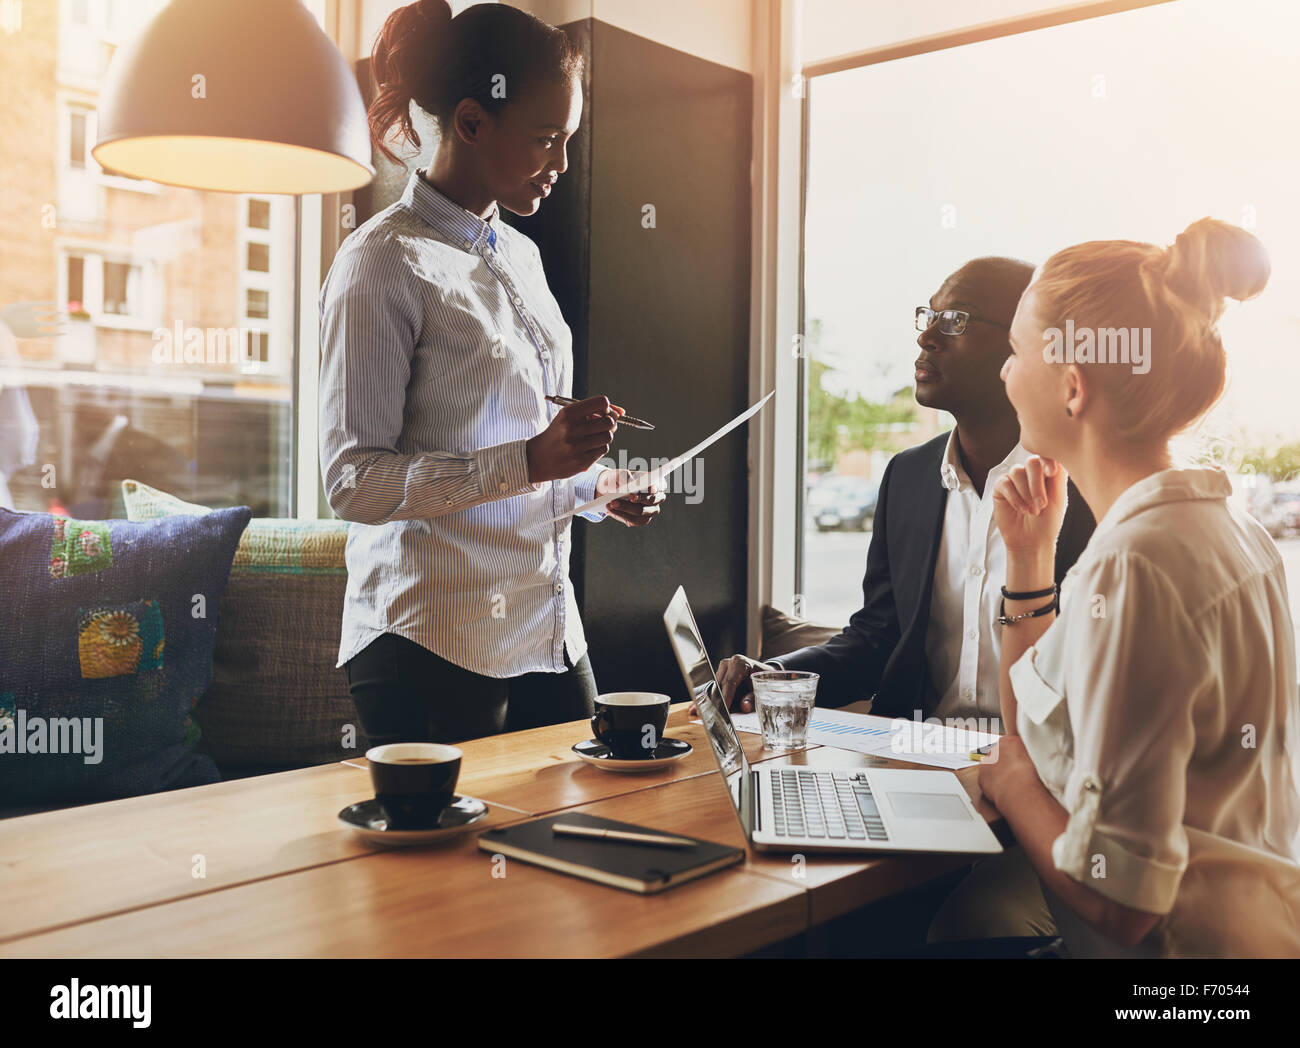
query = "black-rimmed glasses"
{"x": 951, "y": 321}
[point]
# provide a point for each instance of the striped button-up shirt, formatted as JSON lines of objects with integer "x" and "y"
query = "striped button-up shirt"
{"x": 439, "y": 340}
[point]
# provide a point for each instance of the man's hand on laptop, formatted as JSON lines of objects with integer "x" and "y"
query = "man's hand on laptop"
{"x": 733, "y": 677}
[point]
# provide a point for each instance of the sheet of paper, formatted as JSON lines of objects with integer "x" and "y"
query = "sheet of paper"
{"x": 640, "y": 481}
{"x": 936, "y": 745}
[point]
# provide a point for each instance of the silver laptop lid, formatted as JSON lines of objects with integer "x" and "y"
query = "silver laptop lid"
{"x": 702, "y": 684}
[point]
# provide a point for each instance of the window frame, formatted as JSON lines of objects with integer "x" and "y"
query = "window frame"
{"x": 94, "y": 255}
{"x": 319, "y": 223}
{"x": 777, "y": 451}
{"x": 68, "y": 104}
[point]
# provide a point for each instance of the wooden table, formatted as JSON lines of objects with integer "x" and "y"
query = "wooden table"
{"x": 260, "y": 867}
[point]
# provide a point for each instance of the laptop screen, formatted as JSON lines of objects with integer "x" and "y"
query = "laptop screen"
{"x": 697, "y": 671}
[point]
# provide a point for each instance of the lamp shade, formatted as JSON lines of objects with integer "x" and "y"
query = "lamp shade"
{"x": 242, "y": 96}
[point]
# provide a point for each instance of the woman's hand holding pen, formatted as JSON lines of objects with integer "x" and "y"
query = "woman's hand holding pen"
{"x": 634, "y": 510}
{"x": 577, "y": 436}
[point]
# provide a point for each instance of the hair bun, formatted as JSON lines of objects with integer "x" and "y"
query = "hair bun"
{"x": 436, "y": 12}
{"x": 1212, "y": 260}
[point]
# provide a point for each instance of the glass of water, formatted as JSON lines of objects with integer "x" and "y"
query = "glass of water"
{"x": 784, "y": 700}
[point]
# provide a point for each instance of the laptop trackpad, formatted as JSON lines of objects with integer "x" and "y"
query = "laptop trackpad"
{"x": 927, "y": 805}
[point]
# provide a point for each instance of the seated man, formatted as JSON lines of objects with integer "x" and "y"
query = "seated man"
{"x": 925, "y": 642}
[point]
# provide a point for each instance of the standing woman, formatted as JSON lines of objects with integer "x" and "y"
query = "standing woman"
{"x": 1151, "y": 776}
{"x": 440, "y": 340}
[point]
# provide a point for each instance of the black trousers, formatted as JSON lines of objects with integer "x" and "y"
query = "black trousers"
{"x": 405, "y": 693}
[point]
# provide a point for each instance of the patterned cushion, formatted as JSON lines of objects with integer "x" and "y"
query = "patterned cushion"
{"x": 276, "y": 699}
{"x": 106, "y": 637}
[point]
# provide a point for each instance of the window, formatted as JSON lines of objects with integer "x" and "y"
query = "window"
{"x": 257, "y": 347}
{"x": 259, "y": 258}
{"x": 121, "y": 288}
{"x": 155, "y": 281}
{"x": 109, "y": 291}
{"x": 77, "y": 139}
{"x": 1130, "y": 125}
{"x": 259, "y": 213}
{"x": 76, "y": 296}
{"x": 265, "y": 287}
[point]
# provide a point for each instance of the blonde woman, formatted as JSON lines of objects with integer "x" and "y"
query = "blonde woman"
{"x": 1152, "y": 777}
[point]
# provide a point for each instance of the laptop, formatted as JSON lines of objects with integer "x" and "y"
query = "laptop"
{"x": 824, "y": 809}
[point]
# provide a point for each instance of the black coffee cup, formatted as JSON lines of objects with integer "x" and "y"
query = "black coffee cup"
{"x": 630, "y": 723}
{"x": 414, "y": 781}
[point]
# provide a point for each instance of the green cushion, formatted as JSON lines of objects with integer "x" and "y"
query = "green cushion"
{"x": 276, "y": 698}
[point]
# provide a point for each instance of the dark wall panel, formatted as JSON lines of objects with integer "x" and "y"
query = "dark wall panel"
{"x": 666, "y": 334}
{"x": 561, "y": 228}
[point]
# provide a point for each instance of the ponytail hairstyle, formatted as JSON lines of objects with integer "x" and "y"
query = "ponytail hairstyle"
{"x": 424, "y": 54}
{"x": 1178, "y": 294}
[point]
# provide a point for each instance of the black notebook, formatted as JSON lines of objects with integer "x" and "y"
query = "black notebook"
{"x": 634, "y": 867}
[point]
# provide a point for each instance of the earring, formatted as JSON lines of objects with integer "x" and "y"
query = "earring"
{"x": 1069, "y": 412}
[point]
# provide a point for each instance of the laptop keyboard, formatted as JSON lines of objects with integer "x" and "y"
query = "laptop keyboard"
{"x": 833, "y": 806}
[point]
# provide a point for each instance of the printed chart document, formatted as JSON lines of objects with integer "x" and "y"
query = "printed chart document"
{"x": 937, "y": 745}
{"x": 640, "y": 481}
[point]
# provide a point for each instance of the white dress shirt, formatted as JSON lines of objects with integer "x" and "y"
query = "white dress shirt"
{"x": 962, "y": 639}
{"x": 439, "y": 341}
{"x": 1161, "y": 711}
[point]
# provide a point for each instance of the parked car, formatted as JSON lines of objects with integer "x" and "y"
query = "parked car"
{"x": 842, "y": 503}
{"x": 1286, "y": 510}
{"x": 1254, "y": 493}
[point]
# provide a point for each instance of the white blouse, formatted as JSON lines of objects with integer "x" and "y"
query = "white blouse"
{"x": 1161, "y": 711}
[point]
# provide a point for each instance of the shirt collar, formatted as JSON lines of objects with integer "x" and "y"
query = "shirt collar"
{"x": 1167, "y": 486}
{"x": 463, "y": 228}
{"x": 953, "y": 476}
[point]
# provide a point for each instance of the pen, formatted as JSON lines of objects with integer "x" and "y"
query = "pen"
{"x": 982, "y": 752}
{"x": 626, "y": 420}
{"x": 561, "y": 829}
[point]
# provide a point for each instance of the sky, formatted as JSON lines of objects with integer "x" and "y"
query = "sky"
{"x": 1129, "y": 126}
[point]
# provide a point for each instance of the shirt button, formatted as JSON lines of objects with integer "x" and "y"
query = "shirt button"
{"x": 976, "y": 570}
{"x": 972, "y": 634}
{"x": 518, "y": 300}
{"x": 504, "y": 486}
{"x": 967, "y": 694}
{"x": 469, "y": 243}
{"x": 546, "y": 355}
{"x": 449, "y": 502}
{"x": 559, "y": 587}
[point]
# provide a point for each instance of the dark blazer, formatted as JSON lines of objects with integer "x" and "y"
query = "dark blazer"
{"x": 881, "y": 652}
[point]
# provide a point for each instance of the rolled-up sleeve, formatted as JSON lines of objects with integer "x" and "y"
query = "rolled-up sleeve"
{"x": 1128, "y": 665}
{"x": 370, "y": 323}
